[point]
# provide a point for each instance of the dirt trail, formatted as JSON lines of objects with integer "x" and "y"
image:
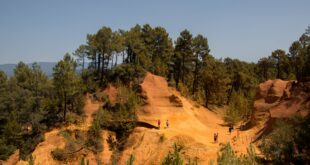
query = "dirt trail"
{"x": 188, "y": 124}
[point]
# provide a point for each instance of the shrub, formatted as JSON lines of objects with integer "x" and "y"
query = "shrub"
{"x": 227, "y": 156}
{"x": 82, "y": 161}
{"x": 58, "y": 154}
{"x": 239, "y": 108}
{"x": 162, "y": 138}
{"x": 174, "y": 157}
{"x": 31, "y": 160}
{"x": 130, "y": 160}
{"x": 94, "y": 136}
{"x": 175, "y": 100}
{"x": 279, "y": 145}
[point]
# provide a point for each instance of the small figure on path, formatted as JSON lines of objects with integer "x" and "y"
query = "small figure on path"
{"x": 158, "y": 122}
{"x": 216, "y": 137}
{"x": 167, "y": 123}
{"x": 230, "y": 129}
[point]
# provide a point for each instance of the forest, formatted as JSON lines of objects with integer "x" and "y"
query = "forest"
{"x": 32, "y": 103}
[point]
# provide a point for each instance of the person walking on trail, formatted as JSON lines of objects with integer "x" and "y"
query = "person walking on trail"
{"x": 216, "y": 137}
{"x": 158, "y": 122}
{"x": 230, "y": 129}
{"x": 167, "y": 123}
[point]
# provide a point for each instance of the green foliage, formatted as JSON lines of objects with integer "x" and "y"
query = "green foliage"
{"x": 183, "y": 56}
{"x": 30, "y": 103}
{"x": 94, "y": 136}
{"x": 58, "y": 154}
{"x": 31, "y": 160}
{"x": 22, "y": 109}
{"x": 130, "y": 160}
{"x": 126, "y": 73}
{"x": 227, "y": 156}
{"x": 239, "y": 108}
{"x": 82, "y": 161}
{"x": 288, "y": 142}
{"x": 120, "y": 118}
{"x": 280, "y": 142}
{"x": 215, "y": 81}
{"x": 174, "y": 158}
{"x": 67, "y": 86}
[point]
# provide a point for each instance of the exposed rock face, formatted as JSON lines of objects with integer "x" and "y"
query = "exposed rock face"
{"x": 279, "y": 99}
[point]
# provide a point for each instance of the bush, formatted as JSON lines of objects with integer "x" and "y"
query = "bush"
{"x": 58, "y": 154}
{"x": 130, "y": 160}
{"x": 175, "y": 100}
{"x": 174, "y": 157}
{"x": 279, "y": 145}
{"x": 239, "y": 108}
{"x": 227, "y": 156}
{"x": 183, "y": 89}
{"x": 82, "y": 161}
{"x": 94, "y": 136}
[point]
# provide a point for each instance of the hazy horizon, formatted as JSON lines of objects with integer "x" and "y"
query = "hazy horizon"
{"x": 45, "y": 31}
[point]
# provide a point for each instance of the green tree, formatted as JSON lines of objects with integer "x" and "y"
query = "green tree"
{"x": 135, "y": 48}
{"x": 201, "y": 50}
{"x": 281, "y": 63}
{"x": 159, "y": 48}
{"x": 215, "y": 81}
{"x": 81, "y": 54}
{"x": 265, "y": 67}
{"x": 103, "y": 40}
{"x": 67, "y": 86}
{"x": 296, "y": 59}
{"x": 130, "y": 160}
{"x": 174, "y": 158}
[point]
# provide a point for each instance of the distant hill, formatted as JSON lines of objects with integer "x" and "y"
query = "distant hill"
{"x": 47, "y": 68}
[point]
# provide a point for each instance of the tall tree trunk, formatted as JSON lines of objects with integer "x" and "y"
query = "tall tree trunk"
{"x": 207, "y": 96}
{"x": 195, "y": 77}
{"x": 112, "y": 60}
{"x": 116, "y": 59}
{"x": 65, "y": 108}
{"x": 229, "y": 95}
{"x": 183, "y": 68}
{"x": 264, "y": 73}
{"x": 102, "y": 68}
{"x": 99, "y": 59}
{"x": 83, "y": 63}
{"x": 95, "y": 60}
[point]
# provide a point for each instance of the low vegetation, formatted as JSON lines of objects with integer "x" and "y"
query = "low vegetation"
{"x": 288, "y": 142}
{"x": 227, "y": 156}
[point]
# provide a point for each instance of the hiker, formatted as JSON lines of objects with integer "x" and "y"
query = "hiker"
{"x": 230, "y": 129}
{"x": 215, "y": 137}
{"x": 158, "y": 122}
{"x": 167, "y": 123}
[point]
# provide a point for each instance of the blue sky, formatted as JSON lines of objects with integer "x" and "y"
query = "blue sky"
{"x": 37, "y": 30}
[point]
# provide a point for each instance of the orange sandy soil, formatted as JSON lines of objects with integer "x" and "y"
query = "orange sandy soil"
{"x": 191, "y": 126}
